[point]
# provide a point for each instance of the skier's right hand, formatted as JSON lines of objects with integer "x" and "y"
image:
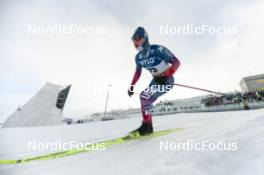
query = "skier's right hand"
{"x": 130, "y": 91}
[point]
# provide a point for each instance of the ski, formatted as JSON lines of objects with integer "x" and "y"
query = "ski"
{"x": 107, "y": 143}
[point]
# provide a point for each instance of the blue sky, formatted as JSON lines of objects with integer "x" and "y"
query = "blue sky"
{"x": 91, "y": 62}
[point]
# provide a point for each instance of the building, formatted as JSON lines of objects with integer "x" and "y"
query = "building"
{"x": 45, "y": 108}
{"x": 252, "y": 83}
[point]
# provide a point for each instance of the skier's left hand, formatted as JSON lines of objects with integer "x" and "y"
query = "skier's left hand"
{"x": 160, "y": 79}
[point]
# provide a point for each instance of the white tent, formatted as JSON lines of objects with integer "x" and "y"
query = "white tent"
{"x": 45, "y": 108}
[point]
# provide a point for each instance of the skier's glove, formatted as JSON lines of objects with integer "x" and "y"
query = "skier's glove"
{"x": 130, "y": 91}
{"x": 161, "y": 80}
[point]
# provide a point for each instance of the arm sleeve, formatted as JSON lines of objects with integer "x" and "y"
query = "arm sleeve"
{"x": 137, "y": 74}
{"x": 175, "y": 64}
{"x": 169, "y": 57}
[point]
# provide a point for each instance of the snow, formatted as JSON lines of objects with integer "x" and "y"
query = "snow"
{"x": 144, "y": 157}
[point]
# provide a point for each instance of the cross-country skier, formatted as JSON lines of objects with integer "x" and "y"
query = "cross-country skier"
{"x": 162, "y": 64}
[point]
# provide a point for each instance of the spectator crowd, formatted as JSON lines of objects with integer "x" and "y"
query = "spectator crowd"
{"x": 233, "y": 98}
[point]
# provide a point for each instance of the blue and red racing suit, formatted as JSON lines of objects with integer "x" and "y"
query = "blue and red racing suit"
{"x": 160, "y": 62}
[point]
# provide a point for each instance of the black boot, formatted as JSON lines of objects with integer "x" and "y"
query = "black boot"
{"x": 145, "y": 129}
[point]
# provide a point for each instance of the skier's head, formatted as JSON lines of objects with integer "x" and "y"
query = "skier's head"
{"x": 140, "y": 39}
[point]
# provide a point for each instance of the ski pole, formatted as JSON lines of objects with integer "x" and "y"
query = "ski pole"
{"x": 201, "y": 89}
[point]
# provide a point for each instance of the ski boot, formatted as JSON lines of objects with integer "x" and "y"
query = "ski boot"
{"x": 146, "y": 128}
